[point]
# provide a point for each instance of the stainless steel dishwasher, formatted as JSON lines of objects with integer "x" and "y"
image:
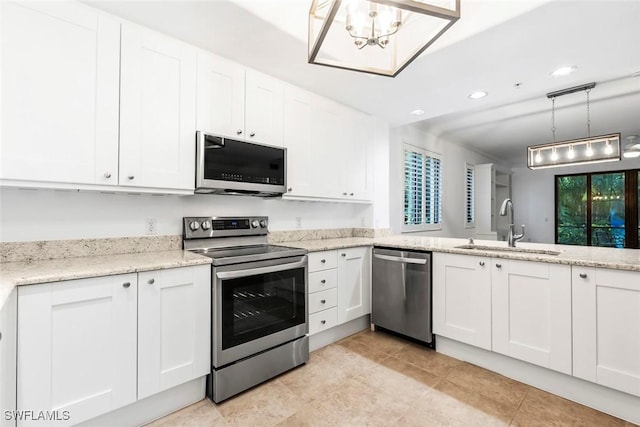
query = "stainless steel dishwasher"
{"x": 401, "y": 293}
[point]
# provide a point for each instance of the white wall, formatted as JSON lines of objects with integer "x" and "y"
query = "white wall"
{"x": 533, "y": 194}
{"x": 454, "y": 158}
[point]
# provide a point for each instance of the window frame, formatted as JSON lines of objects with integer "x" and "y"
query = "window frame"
{"x": 632, "y": 205}
{"x": 412, "y": 228}
{"x": 469, "y": 168}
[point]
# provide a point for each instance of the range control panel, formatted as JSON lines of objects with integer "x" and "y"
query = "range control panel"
{"x": 206, "y": 227}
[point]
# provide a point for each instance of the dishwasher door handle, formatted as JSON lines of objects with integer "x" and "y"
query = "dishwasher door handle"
{"x": 401, "y": 259}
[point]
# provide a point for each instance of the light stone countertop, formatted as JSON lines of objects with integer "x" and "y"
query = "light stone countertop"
{"x": 589, "y": 256}
{"x": 14, "y": 274}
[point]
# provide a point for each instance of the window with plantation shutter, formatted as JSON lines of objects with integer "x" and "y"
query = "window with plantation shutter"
{"x": 469, "y": 204}
{"x": 422, "y": 190}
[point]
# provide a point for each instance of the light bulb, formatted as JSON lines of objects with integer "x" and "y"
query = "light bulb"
{"x": 554, "y": 155}
{"x": 589, "y": 151}
{"x": 608, "y": 149}
{"x": 571, "y": 154}
{"x": 538, "y": 157}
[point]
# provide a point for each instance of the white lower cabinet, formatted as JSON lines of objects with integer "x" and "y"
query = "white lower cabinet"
{"x": 354, "y": 283}
{"x": 531, "y": 312}
{"x": 174, "y": 327}
{"x": 462, "y": 298}
{"x": 606, "y": 327}
{"x": 80, "y": 341}
{"x": 8, "y": 350}
{"x": 339, "y": 287}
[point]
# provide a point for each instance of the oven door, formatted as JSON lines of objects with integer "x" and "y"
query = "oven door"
{"x": 257, "y": 306}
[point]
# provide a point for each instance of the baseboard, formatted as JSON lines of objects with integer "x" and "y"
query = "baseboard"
{"x": 152, "y": 407}
{"x": 604, "y": 399}
{"x": 336, "y": 333}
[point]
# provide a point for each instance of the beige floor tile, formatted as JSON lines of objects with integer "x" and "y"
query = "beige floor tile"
{"x": 540, "y": 408}
{"x": 381, "y": 341}
{"x": 411, "y": 371}
{"x": 427, "y": 359}
{"x": 264, "y": 405}
{"x": 358, "y": 347}
{"x": 314, "y": 379}
{"x": 203, "y": 413}
{"x": 502, "y": 390}
{"x": 449, "y": 406}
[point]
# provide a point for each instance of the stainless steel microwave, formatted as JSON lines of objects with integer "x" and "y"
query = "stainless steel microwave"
{"x": 231, "y": 166}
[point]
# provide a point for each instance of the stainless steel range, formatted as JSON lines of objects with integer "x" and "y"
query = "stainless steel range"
{"x": 259, "y": 318}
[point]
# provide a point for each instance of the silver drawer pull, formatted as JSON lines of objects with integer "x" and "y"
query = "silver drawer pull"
{"x": 344, "y": 254}
{"x": 323, "y": 321}
{"x": 481, "y": 263}
{"x": 583, "y": 275}
{"x": 323, "y": 301}
{"x": 323, "y": 281}
{"x": 151, "y": 281}
{"x": 126, "y": 284}
{"x": 499, "y": 265}
{"x": 323, "y": 261}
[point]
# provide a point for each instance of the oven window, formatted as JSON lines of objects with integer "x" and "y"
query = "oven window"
{"x": 260, "y": 305}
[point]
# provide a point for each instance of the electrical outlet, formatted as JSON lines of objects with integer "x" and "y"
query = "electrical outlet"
{"x": 298, "y": 222}
{"x": 150, "y": 226}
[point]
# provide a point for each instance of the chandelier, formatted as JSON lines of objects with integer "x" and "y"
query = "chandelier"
{"x": 376, "y": 36}
{"x": 591, "y": 149}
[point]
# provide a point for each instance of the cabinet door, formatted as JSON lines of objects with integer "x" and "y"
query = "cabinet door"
{"x": 174, "y": 327}
{"x": 358, "y": 135}
{"x": 77, "y": 347}
{"x": 8, "y": 351}
{"x": 354, "y": 283}
{"x": 327, "y": 136}
{"x": 298, "y": 140}
{"x": 264, "y": 109}
{"x": 532, "y": 312}
{"x": 606, "y": 327}
{"x": 462, "y": 298}
{"x": 157, "y": 111}
{"x": 59, "y": 93}
{"x": 220, "y": 96}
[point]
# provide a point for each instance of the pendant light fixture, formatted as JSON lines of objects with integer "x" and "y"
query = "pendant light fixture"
{"x": 376, "y": 36}
{"x": 592, "y": 149}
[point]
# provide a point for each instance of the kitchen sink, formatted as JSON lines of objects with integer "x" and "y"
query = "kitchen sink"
{"x": 509, "y": 249}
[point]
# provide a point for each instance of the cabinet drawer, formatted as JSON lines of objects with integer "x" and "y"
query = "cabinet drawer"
{"x": 323, "y": 260}
{"x": 321, "y": 280}
{"x": 323, "y": 320}
{"x": 323, "y": 300}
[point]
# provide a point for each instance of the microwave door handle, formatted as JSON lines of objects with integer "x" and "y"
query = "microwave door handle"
{"x": 261, "y": 270}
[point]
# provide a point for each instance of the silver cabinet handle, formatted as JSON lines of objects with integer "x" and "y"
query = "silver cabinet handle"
{"x": 583, "y": 275}
{"x": 126, "y": 284}
{"x": 131, "y": 177}
{"x": 481, "y": 263}
{"x": 289, "y": 189}
{"x": 239, "y": 131}
{"x": 344, "y": 194}
{"x": 107, "y": 175}
{"x": 323, "y": 301}
{"x": 343, "y": 254}
{"x": 400, "y": 259}
{"x": 252, "y": 134}
{"x": 351, "y": 194}
{"x": 499, "y": 265}
{"x": 323, "y": 261}
{"x": 151, "y": 281}
{"x": 323, "y": 281}
{"x": 323, "y": 321}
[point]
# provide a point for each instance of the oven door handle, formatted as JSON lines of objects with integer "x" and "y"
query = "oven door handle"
{"x": 261, "y": 270}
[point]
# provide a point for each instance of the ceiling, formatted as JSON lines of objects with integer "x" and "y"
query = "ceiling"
{"x": 494, "y": 45}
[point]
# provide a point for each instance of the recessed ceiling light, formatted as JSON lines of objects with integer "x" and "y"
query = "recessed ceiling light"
{"x": 477, "y": 95}
{"x": 417, "y": 112}
{"x": 564, "y": 71}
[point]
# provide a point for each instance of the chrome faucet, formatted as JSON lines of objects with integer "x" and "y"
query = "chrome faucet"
{"x": 512, "y": 238}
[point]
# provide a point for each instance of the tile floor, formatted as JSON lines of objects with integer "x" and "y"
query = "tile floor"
{"x": 376, "y": 379}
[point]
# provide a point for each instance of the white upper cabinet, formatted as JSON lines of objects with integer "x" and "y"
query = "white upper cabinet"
{"x": 237, "y": 102}
{"x": 462, "y": 298}
{"x": 220, "y": 96}
{"x": 532, "y": 312}
{"x": 326, "y": 137}
{"x": 302, "y": 171}
{"x": 157, "y": 111}
{"x": 606, "y": 327}
{"x": 357, "y": 161}
{"x": 59, "y": 93}
{"x": 264, "y": 109}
